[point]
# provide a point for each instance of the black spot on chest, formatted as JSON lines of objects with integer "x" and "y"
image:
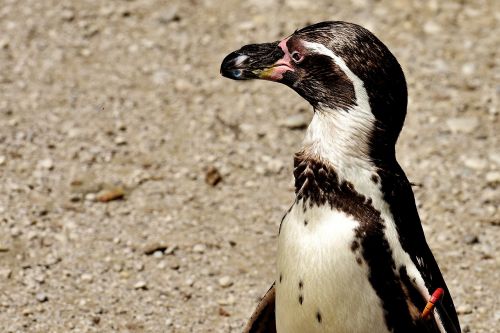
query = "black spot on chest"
{"x": 318, "y": 184}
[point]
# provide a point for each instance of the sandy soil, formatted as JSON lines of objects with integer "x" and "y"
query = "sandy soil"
{"x": 110, "y": 98}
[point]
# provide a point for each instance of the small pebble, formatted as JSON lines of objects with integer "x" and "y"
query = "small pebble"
{"x": 475, "y": 163}
{"x": 117, "y": 267}
{"x": 225, "y": 282}
{"x": 223, "y": 312}
{"x": 213, "y": 176}
{"x": 171, "y": 249}
{"x": 463, "y": 124}
{"x": 85, "y": 52}
{"x": 40, "y": 278}
{"x": 96, "y": 320}
{"x": 464, "y": 309}
{"x": 468, "y": 68}
{"x": 495, "y": 157}
{"x": 120, "y": 141}
{"x": 47, "y": 164}
{"x": 90, "y": 197}
{"x": 110, "y": 194}
{"x": 231, "y": 300}
{"x": 15, "y": 232}
{"x": 5, "y": 273}
{"x": 68, "y": 15}
{"x": 87, "y": 278}
{"x": 182, "y": 85}
{"x": 175, "y": 265}
{"x": 169, "y": 14}
{"x": 139, "y": 266}
{"x": 431, "y": 27}
{"x": 493, "y": 177}
{"x": 41, "y": 297}
{"x": 27, "y": 312}
{"x": 199, "y": 248}
{"x": 298, "y": 4}
{"x": 471, "y": 239}
{"x": 158, "y": 254}
{"x": 151, "y": 249}
{"x": 141, "y": 285}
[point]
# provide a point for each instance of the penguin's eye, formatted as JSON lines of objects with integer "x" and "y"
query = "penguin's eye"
{"x": 297, "y": 57}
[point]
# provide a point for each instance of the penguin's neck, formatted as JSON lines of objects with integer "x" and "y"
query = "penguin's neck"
{"x": 340, "y": 140}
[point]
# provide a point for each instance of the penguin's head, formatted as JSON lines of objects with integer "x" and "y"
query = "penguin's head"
{"x": 334, "y": 66}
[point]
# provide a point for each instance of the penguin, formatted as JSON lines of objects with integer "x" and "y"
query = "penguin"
{"x": 352, "y": 255}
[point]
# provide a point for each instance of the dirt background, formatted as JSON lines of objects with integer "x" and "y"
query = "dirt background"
{"x": 102, "y": 98}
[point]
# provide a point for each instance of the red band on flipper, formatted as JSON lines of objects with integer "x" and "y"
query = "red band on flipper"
{"x": 437, "y": 295}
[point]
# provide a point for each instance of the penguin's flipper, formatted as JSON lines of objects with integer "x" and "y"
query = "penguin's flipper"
{"x": 430, "y": 324}
{"x": 428, "y": 277}
{"x": 439, "y": 320}
{"x": 446, "y": 319}
{"x": 263, "y": 319}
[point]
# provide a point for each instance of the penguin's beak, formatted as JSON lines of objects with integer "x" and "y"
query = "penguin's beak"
{"x": 265, "y": 61}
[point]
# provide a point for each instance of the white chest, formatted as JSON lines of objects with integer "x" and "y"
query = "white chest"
{"x": 322, "y": 284}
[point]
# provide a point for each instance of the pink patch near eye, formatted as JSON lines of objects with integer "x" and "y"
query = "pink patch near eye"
{"x": 283, "y": 46}
{"x": 281, "y": 66}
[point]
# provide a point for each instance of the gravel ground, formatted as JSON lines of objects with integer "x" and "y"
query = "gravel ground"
{"x": 123, "y": 100}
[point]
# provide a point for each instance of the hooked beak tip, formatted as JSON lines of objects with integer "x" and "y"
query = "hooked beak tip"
{"x": 231, "y": 66}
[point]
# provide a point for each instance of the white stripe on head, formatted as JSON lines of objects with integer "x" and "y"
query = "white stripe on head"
{"x": 359, "y": 88}
{"x": 341, "y": 137}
